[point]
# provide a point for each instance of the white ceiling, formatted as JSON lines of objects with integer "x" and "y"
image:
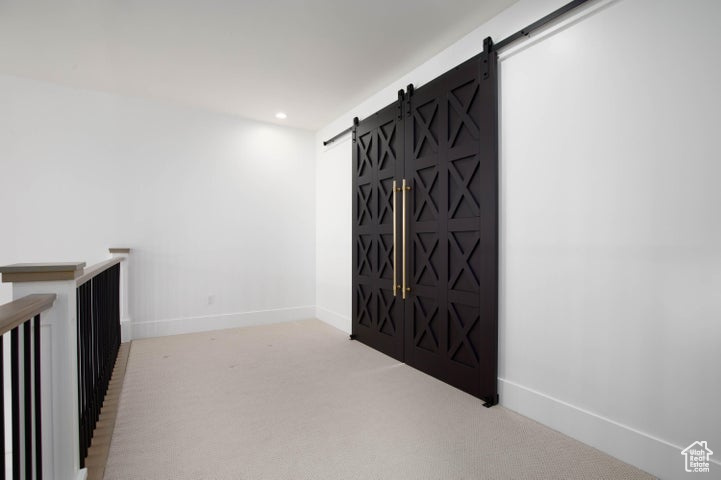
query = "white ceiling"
{"x": 313, "y": 59}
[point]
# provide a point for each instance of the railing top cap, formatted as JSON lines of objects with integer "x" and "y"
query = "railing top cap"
{"x": 118, "y": 250}
{"x": 95, "y": 270}
{"x": 19, "y": 311}
{"x": 43, "y": 267}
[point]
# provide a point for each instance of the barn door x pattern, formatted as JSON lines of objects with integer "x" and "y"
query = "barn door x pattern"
{"x": 425, "y": 227}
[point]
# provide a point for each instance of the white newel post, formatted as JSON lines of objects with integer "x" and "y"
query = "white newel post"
{"x": 126, "y": 323}
{"x": 58, "y": 356}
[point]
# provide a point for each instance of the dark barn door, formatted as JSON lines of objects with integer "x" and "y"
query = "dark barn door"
{"x": 377, "y": 163}
{"x": 448, "y": 320}
{"x": 451, "y": 166}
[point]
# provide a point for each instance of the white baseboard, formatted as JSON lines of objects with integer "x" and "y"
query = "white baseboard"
{"x": 177, "y": 326}
{"x": 341, "y": 322}
{"x": 646, "y": 452}
{"x": 126, "y": 330}
{"x": 82, "y": 474}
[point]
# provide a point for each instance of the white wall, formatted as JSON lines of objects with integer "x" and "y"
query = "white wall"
{"x": 610, "y": 225}
{"x": 214, "y": 207}
{"x": 333, "y": 234}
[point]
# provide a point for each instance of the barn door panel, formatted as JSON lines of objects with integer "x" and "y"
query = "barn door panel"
{"x": 451, "y": 167}
{"x": 377, "y": 163}
{"x": 440, "y": 140}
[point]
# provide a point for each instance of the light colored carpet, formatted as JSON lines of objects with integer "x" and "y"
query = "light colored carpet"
{"x": 301, "y": 401}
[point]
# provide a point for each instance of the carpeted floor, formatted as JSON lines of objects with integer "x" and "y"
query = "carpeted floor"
{"x": 301, "y": 401}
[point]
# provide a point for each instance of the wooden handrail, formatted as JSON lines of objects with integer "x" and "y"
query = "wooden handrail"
{"x": 19, "y": 311}
{"x": 97, "y": 269}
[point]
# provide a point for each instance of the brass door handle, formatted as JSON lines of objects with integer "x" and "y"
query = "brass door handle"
{"x": 404, "y": 289}
{"x": 395, "y": 235}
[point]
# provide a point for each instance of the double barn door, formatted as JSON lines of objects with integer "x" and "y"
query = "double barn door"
{"x": 425, "y": 228}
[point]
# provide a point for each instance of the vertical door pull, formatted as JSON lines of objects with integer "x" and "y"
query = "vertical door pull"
{"x": 395, "y": 242}
{"x": 404, "y": 289}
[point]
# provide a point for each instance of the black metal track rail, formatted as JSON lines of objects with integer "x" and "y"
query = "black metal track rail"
{"x": 524, "y": 32}
{"x": 337, "y": 136}
{"x": 538, "y": 24}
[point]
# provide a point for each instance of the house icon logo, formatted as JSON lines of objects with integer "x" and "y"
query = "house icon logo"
{"x": 697, "y": 457}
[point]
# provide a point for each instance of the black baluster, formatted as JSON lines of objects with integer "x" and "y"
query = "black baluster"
{"x": 27, "y": 397}
{"x": 38, "y": 403}
{"x": 79, "y": 353}
{"x": 2, "y": 408}
{"x": 15, "y": 381}
{"x": 82, "y": 372}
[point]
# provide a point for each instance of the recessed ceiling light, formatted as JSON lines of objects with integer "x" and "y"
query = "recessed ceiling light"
{"x": 281, "y": 115}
